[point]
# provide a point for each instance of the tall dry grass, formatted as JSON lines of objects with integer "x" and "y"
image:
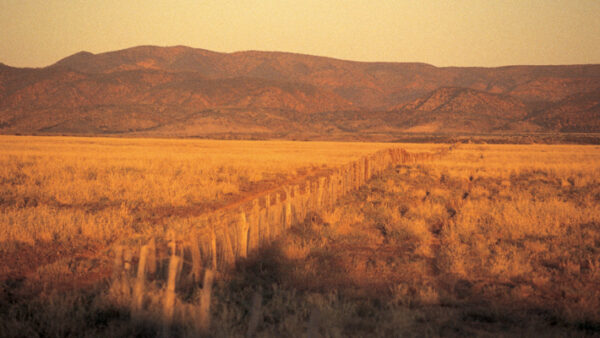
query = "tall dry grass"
{"x": 489, "y": 240}
{"x": 62, "y": 188}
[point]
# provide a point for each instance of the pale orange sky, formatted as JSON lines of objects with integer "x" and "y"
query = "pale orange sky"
{"x": 443, "y": 33}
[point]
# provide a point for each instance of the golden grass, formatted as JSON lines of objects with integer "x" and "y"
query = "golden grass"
{"x": 489, "y": 240}
{"x": 507, "y": 234}
{"x": 58, "y": 188}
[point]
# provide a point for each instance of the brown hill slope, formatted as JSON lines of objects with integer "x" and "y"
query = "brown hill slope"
{"x": 368, "y": 85}
{"x": 188, "y": 91}
{"x": 577, "y": 113}
{"x": 463, "y": 110}
{"x": 60, "y": 100}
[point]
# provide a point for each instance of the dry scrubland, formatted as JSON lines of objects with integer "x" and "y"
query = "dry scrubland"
{"x": 65, "y": 193}
{"x": 500, "y": 239}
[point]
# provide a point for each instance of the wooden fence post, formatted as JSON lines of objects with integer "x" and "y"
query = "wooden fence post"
{"x": 254, "y": 231}
{"x": 169, "y": 300}
{"x": 263, "y": 227}
{"x": 118, "y": 262}
{"x": 297, "y": 203}
{"x": 348, "y": 178}
{"x": 352, "y": 176}
{"x": 173, "y": 247}
{"x": 287, "y": 215}
{"x": 301, "y": 202}
{"x": 243, "y": 236}
{"x": 330, "y": 192}
{"x": 306, "y": 198}
{"x": 204, "y": 320}
{"x": 337, "y": 186}
{"x": 228, "y": 253}
{"x": 320, "y": 192}
{"x": 266, "y": 227}
{"x": 359, "y": 174}
{"x": 127, "y": 260}
{"x": 276, "y": 220}
{"x": 196, "y": 258}
{"x": 356, "y": 175}
{"x": 314, "y": 196}
{"x": 151, "y": 265}
{"x": 124, "y": 272}
{"x": 213, "y": 248}
{"x": 138, "y": 290}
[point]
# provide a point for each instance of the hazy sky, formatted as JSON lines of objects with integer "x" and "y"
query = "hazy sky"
{"x": 37, "y": 33}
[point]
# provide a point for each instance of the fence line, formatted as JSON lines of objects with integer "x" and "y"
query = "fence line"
{"x": 224, "y": 236}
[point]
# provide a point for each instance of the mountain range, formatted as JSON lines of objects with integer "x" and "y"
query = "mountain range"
{"x": 183, "y": 91}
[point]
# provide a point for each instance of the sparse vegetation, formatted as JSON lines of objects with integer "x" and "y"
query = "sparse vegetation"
{"x": 489, "y": 240}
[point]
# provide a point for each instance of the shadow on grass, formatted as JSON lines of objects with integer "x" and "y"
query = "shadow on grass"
{"x": 434, "y": 303}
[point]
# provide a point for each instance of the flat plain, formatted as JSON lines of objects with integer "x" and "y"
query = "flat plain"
{"x": 487, "y": 240}
{"x": 65, "y": 193}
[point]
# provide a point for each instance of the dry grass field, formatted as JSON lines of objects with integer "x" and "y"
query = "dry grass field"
{"x": 65, "y": 194}
{"x": 490, "y": 240}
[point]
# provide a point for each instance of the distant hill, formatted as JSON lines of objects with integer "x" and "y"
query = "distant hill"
{"x": 182, "y": 91}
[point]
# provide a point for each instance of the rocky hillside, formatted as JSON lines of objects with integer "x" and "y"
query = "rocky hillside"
{"x": 182, "y": 91}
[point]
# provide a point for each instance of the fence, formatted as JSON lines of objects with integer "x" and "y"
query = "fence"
{"x": 231, "y": 233}
{"x": 226, "y": 235}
